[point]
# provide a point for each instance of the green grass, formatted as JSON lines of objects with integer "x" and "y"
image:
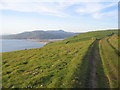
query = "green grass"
{"x": 50, "y": 66}
{"x": 62, "y": 64}
{"x": 102, "y": 79}
{"x": 114, "y": 41}
{"x": 110, "y": 62}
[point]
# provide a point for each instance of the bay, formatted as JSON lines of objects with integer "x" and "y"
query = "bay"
{"x": 15, "y": 45}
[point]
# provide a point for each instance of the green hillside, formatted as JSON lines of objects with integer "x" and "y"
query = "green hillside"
{"x": 80, "y": 61}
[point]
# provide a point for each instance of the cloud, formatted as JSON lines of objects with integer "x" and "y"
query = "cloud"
{"x": 106, "y": 14}
{"x": 56, "y": 7}
{"x": 51, "y": 8}
{"x": 95, "y": 9}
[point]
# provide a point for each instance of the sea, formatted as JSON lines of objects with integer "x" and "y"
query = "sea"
{"x": 15, "y": 45}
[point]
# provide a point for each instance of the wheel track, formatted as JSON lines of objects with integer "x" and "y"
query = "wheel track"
{"x": 93, "y": 58}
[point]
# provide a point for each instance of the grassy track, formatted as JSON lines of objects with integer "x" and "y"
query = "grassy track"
{"x": 100, "y": 74}
{"x": 96, "y": 76}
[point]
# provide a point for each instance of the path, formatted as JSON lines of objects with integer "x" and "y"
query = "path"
{"x": 93, "y": 58}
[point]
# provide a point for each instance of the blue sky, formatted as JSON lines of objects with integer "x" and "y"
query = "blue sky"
{"x": 71, "y": 16}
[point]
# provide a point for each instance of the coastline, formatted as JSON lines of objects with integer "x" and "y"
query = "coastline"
{"x": 46, "y": 41}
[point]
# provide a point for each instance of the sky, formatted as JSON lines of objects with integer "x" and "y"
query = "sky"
{"x": 17, "y": 16}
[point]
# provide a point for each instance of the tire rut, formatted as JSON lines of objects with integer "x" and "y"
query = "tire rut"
{"x": 93, "y": 58}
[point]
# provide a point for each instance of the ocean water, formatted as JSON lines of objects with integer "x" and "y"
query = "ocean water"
{"x": 15, "y": 45}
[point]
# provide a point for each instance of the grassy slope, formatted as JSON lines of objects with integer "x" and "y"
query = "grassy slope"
{"x": 114, "y": 43}
{"x": 50, "y": 66}
{"x": 54, "y": 65}
{"x": 86, "y": 36}
{"x": 110, "y": 63}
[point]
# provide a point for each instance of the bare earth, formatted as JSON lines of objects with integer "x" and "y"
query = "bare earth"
{"x": 93, "y": 58}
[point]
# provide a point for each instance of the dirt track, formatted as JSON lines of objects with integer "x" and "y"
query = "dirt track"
{"x": 93, "y": 58}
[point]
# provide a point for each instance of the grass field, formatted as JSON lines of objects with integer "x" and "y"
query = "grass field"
{"x": 65, "y": 64}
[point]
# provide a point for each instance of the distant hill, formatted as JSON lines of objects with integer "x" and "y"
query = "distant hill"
{"x": 40, "y": 34}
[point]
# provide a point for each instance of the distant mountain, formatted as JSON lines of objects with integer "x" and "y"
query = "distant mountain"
{"x": 40, "y": 34}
